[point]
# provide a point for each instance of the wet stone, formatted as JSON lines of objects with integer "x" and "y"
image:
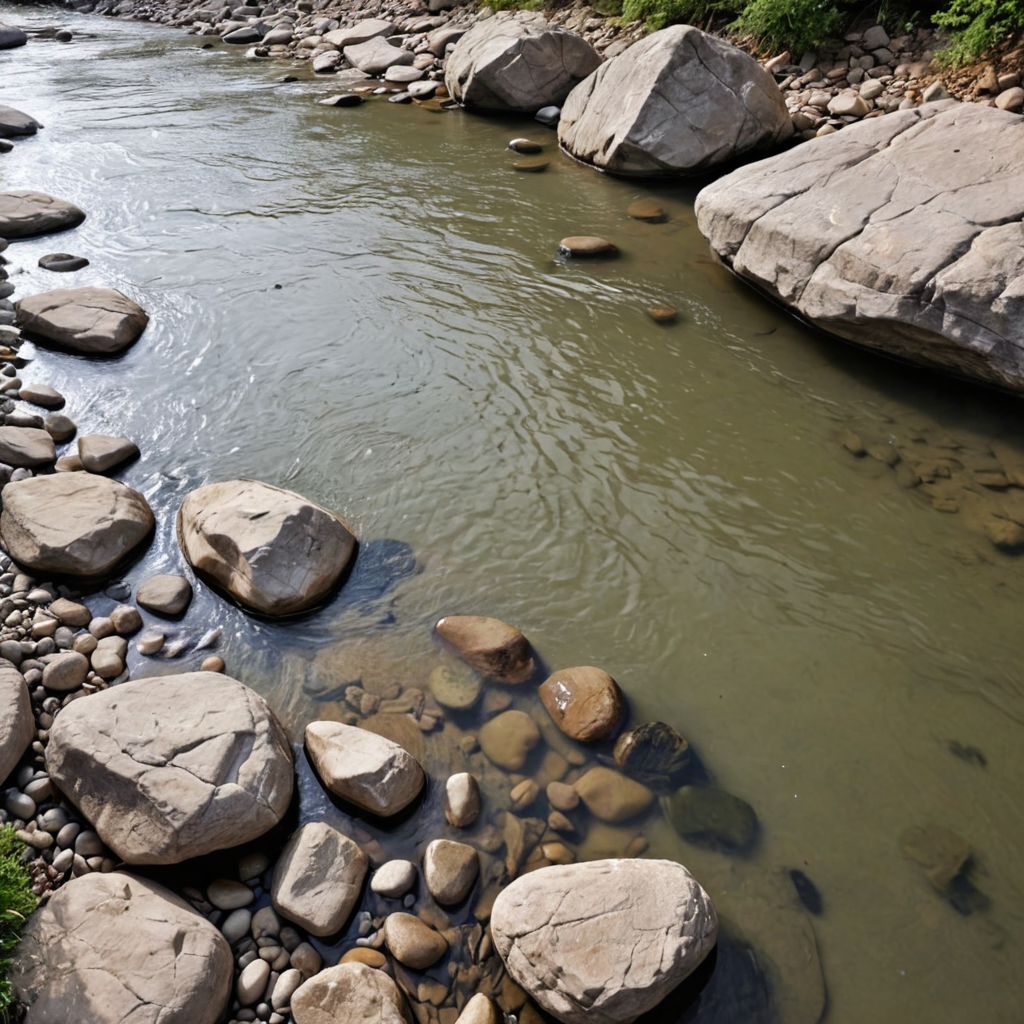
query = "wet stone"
{"x": 942, "y": 853}
{"x": 531, "y": 166}
{"x": 494, "y": 648}
{"x": 450, "y": 870}
{"x": 42, "y": 394}
{"x": 587, "y": 247}
{"x": 453, "y": 687}
{"x": 508, "y": 739}
{"x": 461, "y": 800}
{"x": 165, "y": 594}
{"x": 525, "y": 146}
{"x": 345, "y": 99}
{"x": 62, "y": 262}
{"x": 711, "y": 816}
{"x": 584, "y": 702}
{"x": 663, "y": 314}
{"x": 654, "y": 754}
{"x": 60, "y": 427}
{"x": 612, "y": 797}
{"x": 648, "y": 210}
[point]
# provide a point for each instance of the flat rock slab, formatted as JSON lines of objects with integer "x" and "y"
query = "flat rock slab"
{"x": 605, "y": 941}
{"x": 26, "y": 214}
{"x": 362, "y": 32}
{"x": 272, "y": 550}
{"x": 73, "y": 524}
{"x": 677, "y": 102}
{"x": 121, "y": 950}
{"x": 902, "y": 233}
{"x": 14, "y": 123}
{"x": 26, "y": 446}
{"x": 99, "y": 452}
{"x": 173, "y": 767}
{"x": 517, "y": 63}
{"x": 95, "y": 320}
{"x": 376, "y": 55}
{"x": 17, "y": 724}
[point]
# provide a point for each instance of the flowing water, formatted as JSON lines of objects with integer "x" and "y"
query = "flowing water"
{"x": 365, "y": 305}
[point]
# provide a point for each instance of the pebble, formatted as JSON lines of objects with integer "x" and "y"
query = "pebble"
{"x": 20, "y": 805}
{"x": 394, "y": 879}
{"x": 126, "y": 620}
{"x": 252, "y": 982}
{"x": 527, "y": 146}
{"x": 252, "y": 865}
{"x": 102, "y": 626}
{"x": 62, "y": 262}
{"x": 236, "y": 925}
{"x": 88, "y": 844}
{"x": 214, "y": 663}
{"x": 306, "y": 959}
{"x": 462, "y": 800}
{"x": 562, "y": 797}
{"x": 66, "y": 672}
{"x": 663, "y": 314}
{"x": 106, "y": 663}
{"x": 151, "y": 642}
{"x": 285, "y": 987}
{"x": 265, "y": 923}
{"x": 165, "y": 594}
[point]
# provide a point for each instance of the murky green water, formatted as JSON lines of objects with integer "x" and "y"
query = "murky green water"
{"x": 364, "y": 305}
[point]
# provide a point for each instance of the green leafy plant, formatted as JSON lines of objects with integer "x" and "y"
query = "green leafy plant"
{"x": 797, "y": 25}
{"x": 659, "y": 13}
{"x": 17, "y": 901}
{"x": 977, "y": 25}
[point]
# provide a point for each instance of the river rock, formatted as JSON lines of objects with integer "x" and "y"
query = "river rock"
{"x": 99, "y": 452}
{"x": 584, "y": 702}
{"x": 272, "y": 550}
{"x": 66, "y": 671}
{"x": 363, "y": 768}
{"x": 656, "y": 925}
{"x": 165, "y": 594}
{"x": 454, "y": 688}
{"x": 10, "y": 37}
{"x": 508, "y": 738}
{"x": 611, "y": 796}
{"x": 462, "y": 800}
{"x": 517, "y": 62}
{"x": 394, "y": 879}
{"x": 94, "y": 320}
{"x": 450, "y": 870}
{"x": 14, "y": 123}
{"x": 894, "y": 235}
{"x": 25, "y": 214}
{"x": 677, "y": 102}
{"x": 74, "y": 524}
{"x": 479, "y": 1010}
{"x": 941, "y": 853}
{"x": 41, "y": 394}
{"x": 350, "y": 993}
{"x": 116, "y": 949}
{"x": 412, "y": 942}
{"x": 711, "y": 815}
{"x": 362, "y": 32}
{"x": 17, "y": 726}
{"x": 654, "y": 754}
{"x": 26, "y": 446}
{"x": 60, "y": 427}
{"x": 318, "y": 878}
{"x": 492, "y": 647}
{"x": 376, "y": 55}
{"x": 62, "y": 262}
{"x": 173, "y": 767}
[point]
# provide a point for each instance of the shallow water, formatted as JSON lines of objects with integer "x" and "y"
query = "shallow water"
{"x": 365, "y": 305}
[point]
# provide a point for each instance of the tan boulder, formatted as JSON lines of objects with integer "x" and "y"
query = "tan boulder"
{"x": 91, "y": 320}
{"x": 26, "y": 446}
{"x": 584, "y": 702}
{"x": 173, "y": 767}
{"x": 17, "y": 725}
{"x": 351, "y": 993}
{"x": 270, "y": 549}
{"x": 117, "y": 949}
{"x": 75, "y": 524}
{"x": 492, "y": 647}
{"x": 412, "y": 942}
{"x": 612, "y": 797}
{"x": 25, "y": 214}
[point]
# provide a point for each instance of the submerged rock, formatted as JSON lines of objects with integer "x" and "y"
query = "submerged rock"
{"x": 587, "y": 247}
{"x": 584, "y": 702}
{"x": 170, "y": 768}
{"x": 272, "y": 550}
{"x": 706, "y": 814}
{"x": 494, "y": 648}
{"x": 454, "y": 688}
{"x": 677, "y": 102}
{"x": 98, "y": 321}
{"x": 120, "y": 950}
{"x": 74, "y": 524}
{"x": 508, "y": 738}
{"x": 517, "y": 63}
{"x": 654, "y": 754}
{"x": 898, "y": 235}
{"x": 612, "y": 797}
{"x": 351, "y": 993}
{"x": 655, "y": 926}
{"x": 941, "y": 853}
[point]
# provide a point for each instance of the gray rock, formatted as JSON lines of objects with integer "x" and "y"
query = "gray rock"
{"x": 74, "y": 524}
{"x": 318, "y": 878}
{"x": 376, "y": 55}
{"x": 17, "y": 726}
{"x": 324, "y": 63}
{"x": 362, "y": 32}
{"x": 678, "y": 102}
{"x": 893, "y": 236}
{"x": 93, "y": 320}
{"x": 243, "y": 36}
{"x": 350, "y": 993}
{"x": 25, "y": 214}
{"x": 165, "y": 594}
{"x": 364, "y": 768}
{"x": 655, "y": 922}
{"x": 26, "y": 446}
{"x": 173, "y": 767}
{"x": 125, "y": 948}
{"x": 517, "y": 63}
{"x": 14, "y": 122}
{"x": 99, "y": 452}
{"x": 66, "y": 672}
{"x": 60, "y": 427}
{"x": 272, "y": 550}
{"x": 11, "y": 36}
{"x": 62, "y": 262}
{"x": 41, "y": 394}
{"x": 402, "y": 75}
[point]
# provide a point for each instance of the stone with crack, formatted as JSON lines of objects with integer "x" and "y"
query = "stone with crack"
{"x": 99, "y": 321}
{"x": 605, "y": 941}
{"x": 173, "y": 767}
{"x": 26, "y": 214}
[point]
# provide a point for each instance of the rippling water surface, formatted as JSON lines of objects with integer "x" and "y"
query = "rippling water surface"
{"x": 365, "y": 305}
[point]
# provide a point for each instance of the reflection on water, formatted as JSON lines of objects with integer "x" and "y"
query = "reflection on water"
{"x": 365, "y": 305}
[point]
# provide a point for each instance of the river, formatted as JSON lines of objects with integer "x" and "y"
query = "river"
{"x": 366, "y": 306}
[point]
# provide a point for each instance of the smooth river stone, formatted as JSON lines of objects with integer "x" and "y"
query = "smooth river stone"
{"x": 62, "y": 262}
{"x": 711, "y": 815}
{"x": 492, "y": 647}
{"x": 605, "y": 941}
{"x": 462, "y": 800}
{"x": 654, "y": 754}
{"x": 508, "y": 738}
{"x": 165, "y": 594}
{"x": 455, "y": 688}
{"x": 25, "y": 214}
{"x": 99, "y": 321}
{"x": 587, "y": 247}
{"x": 26, "y": 446}
{"x": 394, "y": 879}
{"x": 584, "y": 702}
{"x": 450, "y": 870}
{"x": 41, "y": 394}
{"x": 14, "y": 123}
{"x": 350, "y": 993}
{"x": 612, "y": 797}
{"x": 412, "y": 942}
{"x": 99, "y": 452}
{"x": 17, "y": 725}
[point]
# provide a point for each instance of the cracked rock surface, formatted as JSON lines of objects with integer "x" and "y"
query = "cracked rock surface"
{"x": 604, "y": 941}
{"x": 677, "y": 102}
{"x": 173, "y": 767}
{"x": 270, "y": 549}
{"x": 113, "y": 949}
{"x": 93, "y": 320}
{"x": 25, "y": 214}
{"x": 75, "y": 524}
{"x": 517, "y": 62}
{"x": 903, "y": 233}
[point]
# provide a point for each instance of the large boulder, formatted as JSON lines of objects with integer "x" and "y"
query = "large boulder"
{"x": 517, "y": 63}
{"x": 117, "y": 949}
{"x": 272, "y": 550}
{"x": 26, "y": 446}
{"x": 12, "y": 36}
{"x": 361, "y": 32}
{"x": 677, "y": 102}
{"x": 173, "y": 767}
{"x": 25, "y": 214}
{"x": 92, "y": 320}
{"x": 605, "y": 941}
{"x": 17, "y": 725}
{"x": 376, "y": 55}
{"x": 902, "y": 233}
{"x": 73, "y": 524}
{"x": 350, "y": 993}
{"x": 14, "y": 122}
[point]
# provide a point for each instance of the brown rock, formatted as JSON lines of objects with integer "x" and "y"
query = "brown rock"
{"x": 611, "y": 796}
{"x": 364, "y": 955}
{"x": 412, "y": 942}
{"x": 587, "y": 247}
{"x": 92, "y": 320}
{"x": 491, "y": 646}
{"x": 351, "y": 993}
{"x": 450, "y": 870}
{"x": 584, "y": 702}
{"x": 508, "y": 738}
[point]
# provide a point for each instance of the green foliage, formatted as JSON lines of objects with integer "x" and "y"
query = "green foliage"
{"x": 977, "y": 25}
{"x": 659, "y": 13}
{"x": 796, "y": 25}
{"x": 514, "y": 5}
{"x": 16, "y": 903}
